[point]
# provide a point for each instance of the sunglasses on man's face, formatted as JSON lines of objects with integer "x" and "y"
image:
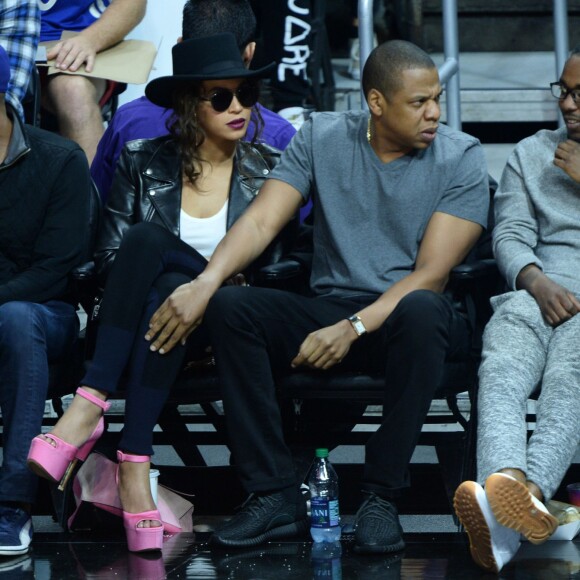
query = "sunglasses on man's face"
{"x": 221, "y": 98}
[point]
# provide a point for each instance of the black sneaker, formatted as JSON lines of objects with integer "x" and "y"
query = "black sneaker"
{"x": 377, "y": 529}
{"x": 263, "y": 518}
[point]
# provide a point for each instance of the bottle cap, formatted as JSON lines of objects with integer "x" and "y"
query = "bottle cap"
{"x": 322, "y": 453}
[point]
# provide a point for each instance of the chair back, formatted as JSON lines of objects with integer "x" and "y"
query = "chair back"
{"x": 31, "y": 100}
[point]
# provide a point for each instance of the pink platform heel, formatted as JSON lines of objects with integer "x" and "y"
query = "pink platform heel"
{"x": 57, "y": 462}
{"x": 141, "y": 539}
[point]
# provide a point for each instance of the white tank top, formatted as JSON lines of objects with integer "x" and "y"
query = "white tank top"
{"x": 204, "y": 234}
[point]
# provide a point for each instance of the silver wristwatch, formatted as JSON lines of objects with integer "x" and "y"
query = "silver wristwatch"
{"x": 357, "y": 324}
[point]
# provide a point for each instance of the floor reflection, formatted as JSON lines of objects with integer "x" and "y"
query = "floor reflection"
{"x": 185, "y": 556}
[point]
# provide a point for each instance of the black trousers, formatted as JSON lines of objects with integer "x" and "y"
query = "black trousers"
{"x": 256, "y": 332}
{"x": 151, "y": 263}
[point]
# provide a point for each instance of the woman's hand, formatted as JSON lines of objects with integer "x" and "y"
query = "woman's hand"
{"x": 178, "y": 316}
{"x": 326, "y": 347}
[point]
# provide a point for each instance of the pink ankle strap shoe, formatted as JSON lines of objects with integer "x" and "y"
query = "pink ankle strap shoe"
{"x": 140, "y": 539}
{"x": 57, "y": 462}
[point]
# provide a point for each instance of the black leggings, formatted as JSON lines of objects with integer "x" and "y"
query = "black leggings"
{"x": 151, "y": 263}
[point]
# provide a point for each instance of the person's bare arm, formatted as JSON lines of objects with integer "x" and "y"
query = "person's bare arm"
{"x": 115, "y": 23}
{"x": 556, "y": 302}
{"x": 446, "y": 242}
{"x": 183, "y": 311}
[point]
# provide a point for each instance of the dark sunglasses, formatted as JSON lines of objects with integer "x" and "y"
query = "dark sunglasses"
{"x": 221, "y": 98}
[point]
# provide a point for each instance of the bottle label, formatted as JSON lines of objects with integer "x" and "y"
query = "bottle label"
{"x": 324, "y": 512}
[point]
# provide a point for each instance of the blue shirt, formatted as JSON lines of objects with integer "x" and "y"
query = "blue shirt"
{"x": 59, "y": 15}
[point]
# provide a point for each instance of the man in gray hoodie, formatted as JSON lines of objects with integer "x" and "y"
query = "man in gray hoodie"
{"x": 532, "y": 339}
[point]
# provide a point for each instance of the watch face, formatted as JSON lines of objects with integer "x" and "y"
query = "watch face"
{"x": 358, "y": 325}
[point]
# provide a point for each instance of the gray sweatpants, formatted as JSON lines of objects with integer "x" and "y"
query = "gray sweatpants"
{"x": 520, "y": 351}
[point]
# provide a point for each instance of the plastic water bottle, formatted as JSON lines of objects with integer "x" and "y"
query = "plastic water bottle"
{"x": 324, "y": 512}
{"x": 325, "y": 559}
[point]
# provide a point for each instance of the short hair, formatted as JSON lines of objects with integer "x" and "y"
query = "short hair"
{"x": 208, "y": 17}
{"x": 384, "y": 66}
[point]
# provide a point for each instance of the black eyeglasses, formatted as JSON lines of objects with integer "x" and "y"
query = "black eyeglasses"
{"x": 560, "y": 92}
{"x": 221, "y": 98}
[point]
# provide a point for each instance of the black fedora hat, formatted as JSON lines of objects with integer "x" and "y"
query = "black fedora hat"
{"x": 201, "y": 59}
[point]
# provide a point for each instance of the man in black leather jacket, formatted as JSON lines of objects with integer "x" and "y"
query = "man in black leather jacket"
{"x": 44, "y": 186}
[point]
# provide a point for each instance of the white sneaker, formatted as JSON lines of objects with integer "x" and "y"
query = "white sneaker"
{"x": 354, "y": 63}
{"x": 516, "y": 508}
{"x": 491, "y": 545}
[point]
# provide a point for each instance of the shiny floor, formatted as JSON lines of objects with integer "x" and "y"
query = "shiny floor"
{"x": 427, "y": 556}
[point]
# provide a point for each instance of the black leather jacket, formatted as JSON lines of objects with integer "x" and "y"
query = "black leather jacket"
{"x": 147, "y": 187}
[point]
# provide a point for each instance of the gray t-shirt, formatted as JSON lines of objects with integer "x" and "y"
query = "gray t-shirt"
{"x": 370, "y": 216}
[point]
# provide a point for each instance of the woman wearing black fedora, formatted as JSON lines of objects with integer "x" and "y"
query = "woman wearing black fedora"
{"x": 172, "y": 201}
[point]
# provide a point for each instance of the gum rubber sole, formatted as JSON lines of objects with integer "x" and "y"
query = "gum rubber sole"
{"x": 470, "y": 515}
{"x": 513, "y": 507}
{"x": 379, "y": 549}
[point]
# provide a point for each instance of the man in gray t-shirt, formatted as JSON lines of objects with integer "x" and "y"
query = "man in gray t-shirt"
{"x": 398, "y": 201}
{"x": 367, "y": 204}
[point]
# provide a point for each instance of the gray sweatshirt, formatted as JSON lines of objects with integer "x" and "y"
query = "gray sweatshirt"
{"x": 537, "y": 214}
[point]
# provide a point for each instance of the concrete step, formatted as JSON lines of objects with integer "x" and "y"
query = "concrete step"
{"x": 496, "y": 25}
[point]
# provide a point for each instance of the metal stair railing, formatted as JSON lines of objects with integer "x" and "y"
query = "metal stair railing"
{"x": 560, "y": 39}
{"x": 449, "y": 70}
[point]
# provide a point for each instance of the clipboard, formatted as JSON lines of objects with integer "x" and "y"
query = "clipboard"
{"x": 129, "y": 61}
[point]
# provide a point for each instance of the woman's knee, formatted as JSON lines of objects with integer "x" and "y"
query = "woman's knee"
{"x": 168, "y": 282}
{"x": 145, "y": 236}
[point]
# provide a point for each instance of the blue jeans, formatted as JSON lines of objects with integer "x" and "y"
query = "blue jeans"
{"x": 31, "y": 336}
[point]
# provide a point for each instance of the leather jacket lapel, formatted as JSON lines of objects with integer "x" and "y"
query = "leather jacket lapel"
{"x": 250, "y": 172}
{"x": 162, "y": 187}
